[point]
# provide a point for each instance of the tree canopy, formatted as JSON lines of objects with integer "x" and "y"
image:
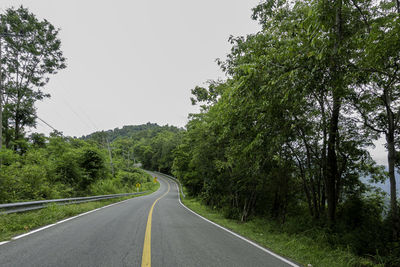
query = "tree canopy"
{"x": 31, "y": 53}
{"x": 288, "y": 131}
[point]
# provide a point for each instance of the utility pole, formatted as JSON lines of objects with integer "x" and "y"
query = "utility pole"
{"x": 128, "y": 159}
{"x": 134, "y": 160}
{"x": 109, "y": 153}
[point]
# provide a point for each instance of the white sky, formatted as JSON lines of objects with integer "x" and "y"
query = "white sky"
{"x": 133, "y": 62}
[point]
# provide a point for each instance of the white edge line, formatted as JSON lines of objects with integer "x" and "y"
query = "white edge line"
{"x": 237, "y": 235}
{"x": 62, "y": 221}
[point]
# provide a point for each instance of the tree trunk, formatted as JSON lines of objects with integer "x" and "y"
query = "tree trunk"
{"x": 332, "y": 165}
{"x": 7, "y": 135}
{"x": 323, "y": 170}
{"x": 332, "y": 171}
{"x": 323, "y": 200}
{"x": 391, "y": 162}
{"x": 392, "y": 179}
{"x": 17, "y": 125}
{"x": 307, "y": 193}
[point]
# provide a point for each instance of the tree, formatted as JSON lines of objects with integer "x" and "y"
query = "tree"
{"x": 377, "y": 91}
{"x": 92, "y": 162}
{"x": 282, "y": 119}
{"x": 30, "y": 57}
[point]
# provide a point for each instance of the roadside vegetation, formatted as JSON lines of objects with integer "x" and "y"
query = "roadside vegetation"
{"x": 60, "y": 167}
{"x": 18, "y": 223}
{"x": 149, "y": 144}
{"x": 311, "y": 246}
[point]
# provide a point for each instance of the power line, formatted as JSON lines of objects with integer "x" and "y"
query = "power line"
{"x": 91, "y": 124}
{"x": 62, "y": 115}
{"x": 47, "y": 124}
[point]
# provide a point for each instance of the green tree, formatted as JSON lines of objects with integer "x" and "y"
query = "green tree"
{"x": 30, "y": 56}
{"x": 93, "y": 165}
{"x": 376, "y": 93}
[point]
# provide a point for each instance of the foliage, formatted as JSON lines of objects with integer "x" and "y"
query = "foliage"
{"x": 148, "y": 144}
{"x": 31, "y": 52}
{"x": 18, "y": 223}
{"x": 58, "y": 167}
{"x": 287, "y": 133}
{"x": 310, "y": 246}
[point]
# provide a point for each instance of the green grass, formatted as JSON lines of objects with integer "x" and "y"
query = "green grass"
{"x": 19, "y": 223}
{"x": 301, "y": 248}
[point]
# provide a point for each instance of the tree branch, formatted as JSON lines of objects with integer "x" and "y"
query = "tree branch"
{"x": 363, "y": 15}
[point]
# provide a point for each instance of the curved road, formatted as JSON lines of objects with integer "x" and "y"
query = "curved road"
{"x": 115, "y": 236}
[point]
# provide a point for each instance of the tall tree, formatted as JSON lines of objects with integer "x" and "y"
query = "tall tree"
{"x": 29, "y": 58}
{"x": 377, "y": 92}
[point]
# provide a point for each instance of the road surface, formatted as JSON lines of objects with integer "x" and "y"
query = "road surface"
{"x": 125, "y": 235}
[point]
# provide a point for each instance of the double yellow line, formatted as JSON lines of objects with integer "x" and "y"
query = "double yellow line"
{"x": 146, "y": 256}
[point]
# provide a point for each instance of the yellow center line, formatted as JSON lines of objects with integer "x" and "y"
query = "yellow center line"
{"x": 146, "y": 256}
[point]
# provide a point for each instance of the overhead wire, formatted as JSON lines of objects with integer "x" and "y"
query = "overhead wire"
{"x": 47, "y": 124}
{"x": 88, "y": 123}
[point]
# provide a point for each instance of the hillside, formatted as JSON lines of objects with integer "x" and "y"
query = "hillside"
{"x": 137, "y": 132}
{"x": 150, "y": 144}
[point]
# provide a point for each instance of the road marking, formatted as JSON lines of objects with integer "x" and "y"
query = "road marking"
{"x": 146, "y": 256}
{"x": 32, "y": 232}
{"x": 237, "y": 235}
{"x": 62, "y": 221}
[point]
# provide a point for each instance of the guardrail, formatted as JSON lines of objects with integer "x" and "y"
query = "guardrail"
{"x": 173, "y": 178}
{"x": 34, "y": 205}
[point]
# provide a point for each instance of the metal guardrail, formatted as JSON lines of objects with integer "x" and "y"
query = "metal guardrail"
{"x": 33, "y": 205}
{"x": 176, "y": 180}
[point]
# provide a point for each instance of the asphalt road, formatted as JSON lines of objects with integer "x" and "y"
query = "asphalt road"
{"x": 114, "y": 236}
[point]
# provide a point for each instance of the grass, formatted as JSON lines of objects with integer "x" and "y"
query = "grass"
{"x": 18, "y": 223}
{"x": 301, "y": 248}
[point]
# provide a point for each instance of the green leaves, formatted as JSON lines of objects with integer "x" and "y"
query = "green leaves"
{"x": 30, "y": 54}
{"x": 283, "y": 125}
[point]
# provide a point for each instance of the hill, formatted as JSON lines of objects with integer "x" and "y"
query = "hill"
{"x": 137, "y": 132}
{"x": 150, "y": 144}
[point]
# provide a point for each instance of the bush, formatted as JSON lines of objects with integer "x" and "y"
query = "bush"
{"x": 360, "y": 224}
{"x": 60, "y": 168}
{"x": 93, "y": 166}
{"x": 129, "y": 179}
{"x": 63, "y": 167}
{"x": 106, "y": 187}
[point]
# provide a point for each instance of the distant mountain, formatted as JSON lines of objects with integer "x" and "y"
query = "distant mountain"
{"x": 147, "y": 130}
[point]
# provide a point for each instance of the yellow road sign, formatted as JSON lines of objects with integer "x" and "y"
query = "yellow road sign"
{"x": 137, "y": 185}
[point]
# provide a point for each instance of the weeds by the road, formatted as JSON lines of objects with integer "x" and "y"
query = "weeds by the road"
{"x": 19, "y": 223}
{"x": 306, "y": 248}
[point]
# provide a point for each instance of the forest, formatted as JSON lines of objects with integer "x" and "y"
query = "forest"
{"x": 285, "y": 136}
{"x": 149, "y": 144}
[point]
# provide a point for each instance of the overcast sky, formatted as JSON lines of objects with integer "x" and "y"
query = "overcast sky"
{"x": 133, "y": 62}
